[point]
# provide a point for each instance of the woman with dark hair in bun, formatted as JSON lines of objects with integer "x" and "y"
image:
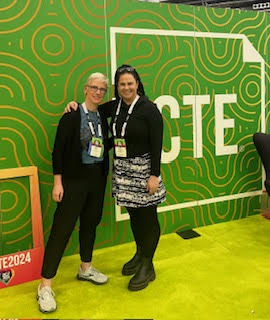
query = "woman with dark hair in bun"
{"x": 137, "y": 129}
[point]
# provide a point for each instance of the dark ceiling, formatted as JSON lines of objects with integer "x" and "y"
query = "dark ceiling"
{"x": 233, "y": 4}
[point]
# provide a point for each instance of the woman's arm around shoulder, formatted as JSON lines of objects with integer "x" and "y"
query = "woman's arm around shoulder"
{"x": 72, "y": 105}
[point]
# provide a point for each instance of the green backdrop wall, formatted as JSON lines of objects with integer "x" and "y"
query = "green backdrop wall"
{"x": 207, "y": 69}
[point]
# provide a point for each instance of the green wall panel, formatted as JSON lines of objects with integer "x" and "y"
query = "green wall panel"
{"x": 202, "y": 60}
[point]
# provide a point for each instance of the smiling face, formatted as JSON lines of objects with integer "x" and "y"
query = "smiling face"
{"x": 127, "y": 87}
{"x": 94, "y": 92}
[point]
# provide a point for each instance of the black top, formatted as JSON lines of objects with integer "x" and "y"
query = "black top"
{"x": 144, "y": 129}
{"x": 67, "y": 151}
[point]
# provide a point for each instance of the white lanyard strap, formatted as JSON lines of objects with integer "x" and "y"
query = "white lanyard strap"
{"x": 91, "y": 127}
{"x": 123, "y": 131}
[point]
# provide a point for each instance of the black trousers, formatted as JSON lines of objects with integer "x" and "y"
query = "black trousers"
{"x": 83, "y": 199}
{"x": 145, "y": 228}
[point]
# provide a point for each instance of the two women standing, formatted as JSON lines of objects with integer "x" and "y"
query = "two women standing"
{"x": 137, "y": 130}
{"x": 80, "y": 165}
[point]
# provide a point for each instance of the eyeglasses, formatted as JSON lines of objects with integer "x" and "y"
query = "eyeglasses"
{"x": 128, "y": 69}
{"x": 96, "y": 89}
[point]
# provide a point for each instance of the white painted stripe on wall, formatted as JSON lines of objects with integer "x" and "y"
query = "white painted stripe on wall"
{"x": 124, "y": 216}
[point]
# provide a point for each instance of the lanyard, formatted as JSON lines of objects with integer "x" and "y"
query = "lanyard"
{"x": 91, "y": 127}
{"x": 123, "y": 131}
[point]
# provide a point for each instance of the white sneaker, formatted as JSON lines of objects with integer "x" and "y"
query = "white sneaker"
{"x": 93, "y": 275}
{"x": 45, "y": 298}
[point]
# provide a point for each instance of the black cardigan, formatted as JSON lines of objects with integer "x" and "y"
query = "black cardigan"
{"x": 67, "y": 151}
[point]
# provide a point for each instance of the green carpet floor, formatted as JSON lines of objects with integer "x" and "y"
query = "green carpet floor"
{"x": 224, "y": 274}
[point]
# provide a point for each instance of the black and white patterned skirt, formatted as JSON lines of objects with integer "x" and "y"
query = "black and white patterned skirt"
{"x": 129, "y": 183}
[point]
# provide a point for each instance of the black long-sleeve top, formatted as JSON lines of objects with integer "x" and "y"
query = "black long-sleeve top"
{"x": 67, "y": 151}
{"x": 144, "y": 129}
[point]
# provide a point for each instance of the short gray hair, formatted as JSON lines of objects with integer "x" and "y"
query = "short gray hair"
{"x": 97, "y": 76}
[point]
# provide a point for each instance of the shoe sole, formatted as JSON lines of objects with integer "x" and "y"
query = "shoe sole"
{"x": 142, "y": 285}
{"x": 44, "y": 311}
{"x": 90, "y": 280}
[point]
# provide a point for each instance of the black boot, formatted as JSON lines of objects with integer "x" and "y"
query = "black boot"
{"x": 132, "y": 265}
{"x": 143, "y": 276}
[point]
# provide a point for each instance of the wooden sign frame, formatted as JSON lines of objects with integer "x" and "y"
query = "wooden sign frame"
{"x": 23, "y": 266}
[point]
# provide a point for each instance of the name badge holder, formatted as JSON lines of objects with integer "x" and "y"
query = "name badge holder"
{"x": 96, "y": 147}
{"x": 120, "y": 146}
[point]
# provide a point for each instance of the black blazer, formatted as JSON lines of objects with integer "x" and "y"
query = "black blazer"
{"x": 67, "y": 151}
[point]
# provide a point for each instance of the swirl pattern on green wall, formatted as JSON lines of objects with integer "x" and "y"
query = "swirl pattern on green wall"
{"x": 47, "y": 50}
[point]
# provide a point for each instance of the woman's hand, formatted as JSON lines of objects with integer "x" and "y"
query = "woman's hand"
{"x": 58, "y": 190}
{"x": 72, "y": 105}
{"x": 57, "y": 193}
{"x": 152, "y": 184}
